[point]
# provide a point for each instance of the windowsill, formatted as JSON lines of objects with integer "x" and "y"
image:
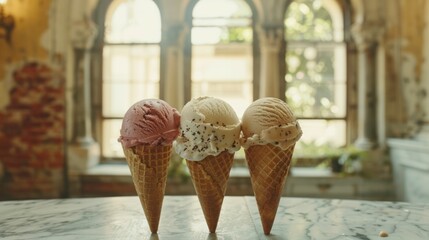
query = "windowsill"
{"x": 115, "y": 180}
{"x": 123, "y": 170}
{"x": 109, "y": 169}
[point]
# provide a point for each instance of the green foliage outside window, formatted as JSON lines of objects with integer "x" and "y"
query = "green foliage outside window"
{"x": 310, "y": 72}
{"x": 308, "y": 20}
{"x": 237, "y": 35}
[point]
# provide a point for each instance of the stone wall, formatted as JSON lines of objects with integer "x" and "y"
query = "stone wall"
{"x": 31, "y": 108}
{"x": 406, "y": 77}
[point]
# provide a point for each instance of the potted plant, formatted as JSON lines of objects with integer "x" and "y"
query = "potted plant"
{"x": 345, "y": 160}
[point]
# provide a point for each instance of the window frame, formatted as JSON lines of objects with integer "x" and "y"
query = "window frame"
{"x": 97, "y": 92}
{"x": 345, "y": 42}
{"x": 188, "y": 50}
{"x": 96, "y": 72}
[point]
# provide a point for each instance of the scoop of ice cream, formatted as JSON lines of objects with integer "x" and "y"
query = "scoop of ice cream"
{"x": 269, "y": 121}
{"x": 208, "y": 126}
{"x": 150, "y": 121}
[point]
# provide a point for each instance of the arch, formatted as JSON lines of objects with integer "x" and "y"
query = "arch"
{"x": 337, "y": 18}
{"x": 270, "y": 13}
{"x": 189, "y": 10}
{"x": 259, "y": 9}
{"x": 358, "y": 11}
{"x": 101, "y": 13}
{"x": 210, "y": 9}
{"x": 301, "y": 12}
{"x": 99, "y": 16}
{"x": 251, "y": 4}
{"x": 142, "y": 13}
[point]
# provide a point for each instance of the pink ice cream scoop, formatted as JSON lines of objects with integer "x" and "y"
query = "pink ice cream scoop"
{"x": 150, "y": 121}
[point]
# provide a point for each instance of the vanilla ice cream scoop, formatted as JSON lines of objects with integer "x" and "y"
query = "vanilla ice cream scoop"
{"x": 269, "y": 121}
{"x": 208, "y": 126}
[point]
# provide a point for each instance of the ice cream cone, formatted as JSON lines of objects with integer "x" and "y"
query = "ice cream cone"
{"x": 148, "y": 165}
{"x": 210, "y": 177}
{"x": 269, "y": 166}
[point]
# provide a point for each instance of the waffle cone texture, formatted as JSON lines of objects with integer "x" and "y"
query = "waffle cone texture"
{"x": 269, "y": 166}
{"x": 148, "y": 165}
{"x": 210, "y": 177}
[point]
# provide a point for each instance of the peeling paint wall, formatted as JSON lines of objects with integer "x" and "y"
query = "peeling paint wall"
{"x": 31, "y": 108}
{"x": 412, "y": 25}
{"x": 31, "y": 20}
{"x": 424, "y": 79}
{"x": 405, "y": 59}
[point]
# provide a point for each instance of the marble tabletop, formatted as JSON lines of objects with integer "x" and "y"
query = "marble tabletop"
{"x": 182, "y": 218}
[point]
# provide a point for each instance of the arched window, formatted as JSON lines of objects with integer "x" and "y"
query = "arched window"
{"x": 222, "y": 59}
{"x": 316, "y": 70}
{"x": 131, "y": 64}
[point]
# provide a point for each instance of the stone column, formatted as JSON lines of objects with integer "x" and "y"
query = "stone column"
{"x": 270, "y": 39}
{"x": 84, "y": 151}
{"x": 366, "y": 39}
{"x": 174, "y": 65}
{"x": 82, "y": 95}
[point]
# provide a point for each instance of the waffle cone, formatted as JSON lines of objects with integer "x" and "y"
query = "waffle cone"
{"x": 268, "y": 166}
{"x": 148, "y": 166}
{"x": 210, "y": 177}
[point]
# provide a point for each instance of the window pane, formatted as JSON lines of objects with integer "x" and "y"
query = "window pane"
{"x": 136, "y": 21}
{"x": 223, "y": 71}
{"x": 221, "y": 22}
{"x": 322, "y": 132}
{"x": 308, "y": 20}
{"x": 206, "y": 35}
{"x": 221, "y": 9}
{"x": 130, "y": 73}
{"x": 131, "y": 64}
{"x": 215, "y": 35}
{"x": 110, "y": 145}
{"x": 315, "y": 79}
{"x": 222, "y": 59}
{"x": 316, "y": 71}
